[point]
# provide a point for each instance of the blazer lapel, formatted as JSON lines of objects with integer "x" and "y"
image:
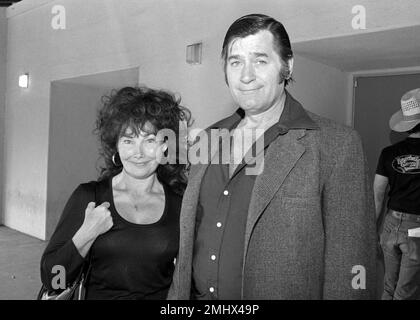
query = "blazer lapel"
{"x": 282, "y": 155}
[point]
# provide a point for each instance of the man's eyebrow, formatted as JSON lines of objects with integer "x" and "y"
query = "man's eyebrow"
{"x": 255, "y": 54}
{"x": 260, "y": 54}
{"x": 235, "y": 56}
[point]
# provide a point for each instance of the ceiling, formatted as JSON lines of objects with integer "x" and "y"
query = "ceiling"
{"x": 319, "y": 30}
{"x": 6, "y": 3}
{"x": 388, "y": 49}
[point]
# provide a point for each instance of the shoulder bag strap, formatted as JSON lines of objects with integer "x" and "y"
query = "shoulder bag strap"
{"x": 99, "y": 188}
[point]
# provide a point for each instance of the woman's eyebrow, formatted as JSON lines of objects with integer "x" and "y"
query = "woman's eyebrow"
{"x": 147, "y": 134}
{"x": 128, "y": 136}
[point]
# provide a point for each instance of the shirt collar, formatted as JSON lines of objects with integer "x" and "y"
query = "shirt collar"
{"x": 293, "y": 116}
{"x": 266, "y": 119}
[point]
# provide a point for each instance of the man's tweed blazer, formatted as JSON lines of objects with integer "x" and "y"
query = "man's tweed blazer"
{"x": 310, "y": 231}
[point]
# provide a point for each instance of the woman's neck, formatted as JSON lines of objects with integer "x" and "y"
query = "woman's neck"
{"x": 137, "y": 186}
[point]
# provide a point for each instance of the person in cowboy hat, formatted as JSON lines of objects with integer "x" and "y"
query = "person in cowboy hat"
{"x": 398, "y": 171}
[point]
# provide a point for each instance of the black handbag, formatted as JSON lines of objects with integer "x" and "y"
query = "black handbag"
{"x": 77, "y": 290}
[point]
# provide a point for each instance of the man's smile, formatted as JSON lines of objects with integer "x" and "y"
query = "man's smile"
{"x": 249, "y": 91}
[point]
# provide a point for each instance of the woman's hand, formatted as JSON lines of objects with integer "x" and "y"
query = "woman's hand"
{"x": 97, "y": 221}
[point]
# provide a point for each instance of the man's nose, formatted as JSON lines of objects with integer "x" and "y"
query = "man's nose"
{"x": 248, "y": 73}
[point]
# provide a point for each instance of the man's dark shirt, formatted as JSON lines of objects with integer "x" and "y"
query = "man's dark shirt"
{"x": 400, "y": 163}
{"x": 221, "y": 220}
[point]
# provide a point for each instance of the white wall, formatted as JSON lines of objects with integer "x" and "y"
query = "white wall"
{"x": 321, "y": 89}
{"x": 3, "y": 61}
{"x": 110, "y": 35}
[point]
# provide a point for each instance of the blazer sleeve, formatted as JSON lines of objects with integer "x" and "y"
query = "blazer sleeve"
{"x": 61, "y": 249}
{"x": 349, "y": 224}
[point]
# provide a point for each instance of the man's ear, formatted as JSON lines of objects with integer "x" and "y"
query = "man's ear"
{"x": 290, "y": 65}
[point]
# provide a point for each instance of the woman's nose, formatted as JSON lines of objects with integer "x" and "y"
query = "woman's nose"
{"x": 139, "y": 149}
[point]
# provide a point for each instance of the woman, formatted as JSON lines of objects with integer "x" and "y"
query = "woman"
{"x": 130, "y": 235}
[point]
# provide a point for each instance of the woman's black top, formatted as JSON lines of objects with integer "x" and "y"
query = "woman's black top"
{"x": 130, "y": 261}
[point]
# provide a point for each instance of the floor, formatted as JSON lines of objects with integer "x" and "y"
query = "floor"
{"x": 19, "y": 265}
{"x": 20, "y": 255}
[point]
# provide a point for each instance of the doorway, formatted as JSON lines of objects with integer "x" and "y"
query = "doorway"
{"x": 376, "y": 99}
{"x": 73, "y": 156}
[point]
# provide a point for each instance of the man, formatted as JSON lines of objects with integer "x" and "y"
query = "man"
{"x": 302, "y": 227}
{"x": 399, "y": 171}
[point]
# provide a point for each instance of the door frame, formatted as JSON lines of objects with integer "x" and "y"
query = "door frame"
{"x": 373, "y": 73}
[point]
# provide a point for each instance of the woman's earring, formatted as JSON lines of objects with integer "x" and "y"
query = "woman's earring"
{"x": 113, "y": 159}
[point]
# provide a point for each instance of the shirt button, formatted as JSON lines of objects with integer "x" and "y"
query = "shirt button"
{"x": 211, "y": 289}
{"x": 225, "y": 192}
{"x": 213, "y": 257}
{"x": 218, "y": 224}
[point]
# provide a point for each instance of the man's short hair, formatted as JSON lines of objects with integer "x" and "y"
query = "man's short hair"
{"x": 252, "y": 24}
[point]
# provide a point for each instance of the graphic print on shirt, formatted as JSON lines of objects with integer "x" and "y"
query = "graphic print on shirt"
{"x": 407, "y": 164}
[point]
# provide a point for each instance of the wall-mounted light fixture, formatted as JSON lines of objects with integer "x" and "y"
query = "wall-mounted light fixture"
{"x": 24, "y": 80}
{"x": 194, "y": 53}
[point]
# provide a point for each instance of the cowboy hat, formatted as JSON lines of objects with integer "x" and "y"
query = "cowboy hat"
{"x": 409, "y": 115}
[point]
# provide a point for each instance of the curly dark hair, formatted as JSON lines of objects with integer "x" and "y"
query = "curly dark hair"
{"x": 135, "y": 108}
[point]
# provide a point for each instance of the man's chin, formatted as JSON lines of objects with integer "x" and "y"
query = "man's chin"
{"x": 249, "y": 106}
{"x": 252, "y": 109}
